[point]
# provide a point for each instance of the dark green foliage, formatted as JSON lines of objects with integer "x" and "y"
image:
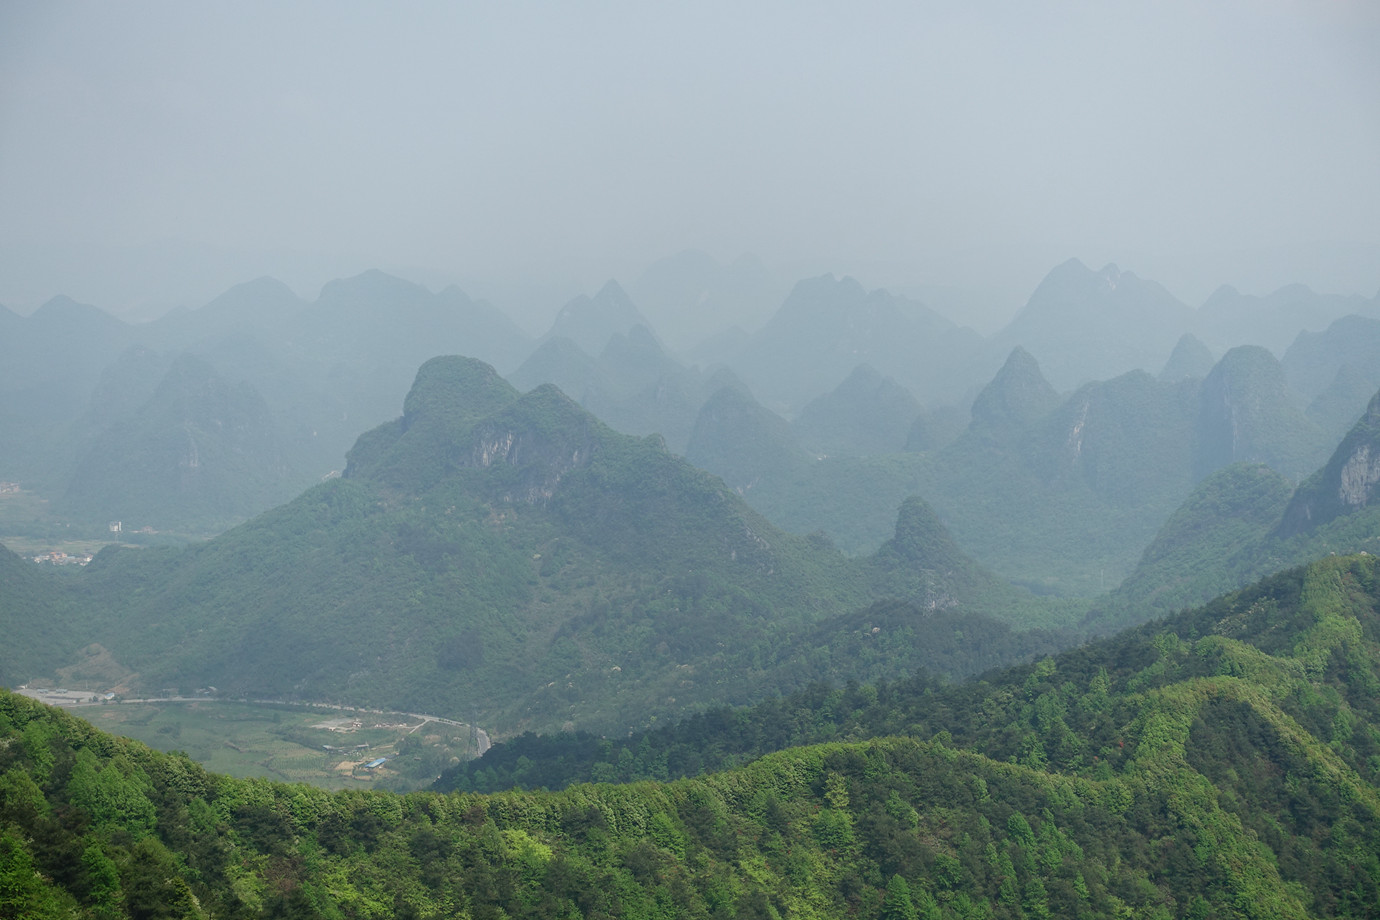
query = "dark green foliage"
{"x": 1197, "y": 552}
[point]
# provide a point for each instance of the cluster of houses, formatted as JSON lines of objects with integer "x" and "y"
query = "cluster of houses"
{"x": 58, "y": 557}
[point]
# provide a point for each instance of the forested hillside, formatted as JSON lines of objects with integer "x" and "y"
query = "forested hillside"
{"x": 1225, "y": 763}
{"x": 508, "y": 557}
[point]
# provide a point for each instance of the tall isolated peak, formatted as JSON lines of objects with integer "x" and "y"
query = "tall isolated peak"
{"x": 456, "y": 388}
{"x": 921, "y": 539}
{"x": 1189, "y": 359}
{"x": 612, "y": 293}
{"x": 1018, "y": 396}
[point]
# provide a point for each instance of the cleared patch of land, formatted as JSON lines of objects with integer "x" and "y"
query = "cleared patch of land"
{"x": 283, "y": 742}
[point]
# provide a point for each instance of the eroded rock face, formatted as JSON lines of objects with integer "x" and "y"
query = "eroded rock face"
{"x": 1358, "y": 477}
{"x": 542, "y": 458}
{"x": 1346, "y": 484}
{"x": 542, "y": 437}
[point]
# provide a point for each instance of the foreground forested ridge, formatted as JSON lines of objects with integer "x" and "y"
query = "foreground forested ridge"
{"x": 1224, "y": 764}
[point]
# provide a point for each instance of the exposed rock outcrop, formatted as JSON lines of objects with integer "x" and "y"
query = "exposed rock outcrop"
{"x": 1349, "y": 482}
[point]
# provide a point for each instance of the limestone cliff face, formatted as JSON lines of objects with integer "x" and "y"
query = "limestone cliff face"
{"x": 460, "y": 415}
{"x": 1349, "y": 482}
{"x": 541, "y": 437}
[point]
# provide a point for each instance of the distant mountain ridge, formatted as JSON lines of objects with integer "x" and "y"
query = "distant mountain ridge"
{"x": 330, "y": 368}
{"x": 325, "y": 369}
{"x": 827, "y": 326}
{"x": 1060, "y": 492}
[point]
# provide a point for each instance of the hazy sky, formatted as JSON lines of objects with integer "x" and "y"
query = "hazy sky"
{"x": 918, "y": 143}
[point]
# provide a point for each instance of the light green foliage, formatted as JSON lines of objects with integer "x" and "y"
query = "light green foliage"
{"x": 115, "y": 793}
{"x": 25, "y": 894}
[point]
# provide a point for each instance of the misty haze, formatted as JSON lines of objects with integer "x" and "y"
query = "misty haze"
{"x": 909, "y": 461}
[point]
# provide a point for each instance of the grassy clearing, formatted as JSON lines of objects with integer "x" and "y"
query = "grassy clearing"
{"x": 284, "y": 743}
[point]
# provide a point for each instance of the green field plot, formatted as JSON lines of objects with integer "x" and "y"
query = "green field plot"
{"x": 323, "y": 747}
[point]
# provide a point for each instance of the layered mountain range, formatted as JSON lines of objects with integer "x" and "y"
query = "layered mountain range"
{"x": 328, "y": 369}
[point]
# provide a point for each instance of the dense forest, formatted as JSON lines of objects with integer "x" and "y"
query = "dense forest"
{"x": 1225, "y": 763}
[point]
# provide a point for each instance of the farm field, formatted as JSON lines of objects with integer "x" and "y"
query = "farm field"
{"x": 324, "y": 748}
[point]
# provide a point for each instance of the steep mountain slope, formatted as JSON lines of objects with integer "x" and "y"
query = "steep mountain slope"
{"x": 1313, "y": 359}
{"x": 641, "y": 390}
{"x": 1188, "y": 560}
{"x": 1061, "y": 493}
{"x": 1017, "y": 397}
{"x": 1189, "y": 359}
{"x": 590, "y": 322}
{"x": 199, "y": 451}
{"x": 866, "y": 414}
{"x": 741, "y": 441}
{"x": 326, "y": 370}
{"x": 1347, "y": 484}
{"x": 1247, "y": 415}
{"x": 506, "y": 552}
{"x": 634, "y": 386}
{"x": 1245, "y": 521}
{"x": 1335, "y": 371}
{"x": 41, "y": 628}
{"x": 1337, "y": 408}
{"x": 1221, "y": 764}
{"x": 561, "y": 363}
